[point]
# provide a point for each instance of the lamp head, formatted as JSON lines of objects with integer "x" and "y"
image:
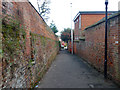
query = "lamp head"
{"x": 106, "y": 1}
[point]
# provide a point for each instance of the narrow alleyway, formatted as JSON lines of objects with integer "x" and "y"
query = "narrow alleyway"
{"x": 69, "y": 71}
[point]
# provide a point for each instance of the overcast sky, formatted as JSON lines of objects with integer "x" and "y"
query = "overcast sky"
{"x": 61, "y": 10}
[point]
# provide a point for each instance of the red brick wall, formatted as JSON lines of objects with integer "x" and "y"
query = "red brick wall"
{"x": 40, "y": 48}
{"x": 69, "y": 46}
{"x": 119, "y": 42}
{"x": 86, "y": 20}
{"x": 93, "y": 48}
{"x": 75, "y": 49}
{"x": 89, "y": 19}
{"x": 0, "y": 45}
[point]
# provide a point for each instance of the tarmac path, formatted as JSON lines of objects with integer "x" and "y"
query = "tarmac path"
{"x": 70, "y": 71}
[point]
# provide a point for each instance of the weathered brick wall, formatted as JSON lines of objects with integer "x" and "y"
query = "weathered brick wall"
{"x": 93, "y": 48}
{"x": 29, "y": 45}
{"x": 0, "y": 44}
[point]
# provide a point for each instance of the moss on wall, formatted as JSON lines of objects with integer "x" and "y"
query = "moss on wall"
{"x": 13, "y": 44}
{"x": 13, "y": 34}
{"x": 43, "y": 57}
{"x": 24, "y": 56}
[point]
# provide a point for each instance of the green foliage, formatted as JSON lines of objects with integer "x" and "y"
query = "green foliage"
{"x": 13, "y": 33}
{"x": 66, "y": 34}
{"x": 53, "y": 27}
{"x": 56, "y": 44}
{"x": 43, "y": 41}
{"x": 68, "y": 30}
{"x": 0, "y": 53}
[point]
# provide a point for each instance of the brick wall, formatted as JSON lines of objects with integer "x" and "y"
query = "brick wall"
{"x": 93, "y": 48}
{"x": 0, "y": 44}
{"x": 69, "y": 46}
{"x": 29, "y": 45}
{"x": 89, "y": 19}
{"x": 86, "y": 20}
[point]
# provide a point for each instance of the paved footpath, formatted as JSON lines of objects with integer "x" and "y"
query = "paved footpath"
{"x": 69, "y": 71}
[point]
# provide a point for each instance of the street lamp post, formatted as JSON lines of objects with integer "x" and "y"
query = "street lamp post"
{"x": 105, "y": 62}
{"x": 71, "y": 31}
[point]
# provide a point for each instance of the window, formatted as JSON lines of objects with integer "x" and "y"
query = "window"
{"x": 77, "y": 20}
{"x": 80, "y": 22}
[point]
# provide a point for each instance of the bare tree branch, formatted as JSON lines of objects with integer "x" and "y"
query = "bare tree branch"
{"x": 43, "y": 7}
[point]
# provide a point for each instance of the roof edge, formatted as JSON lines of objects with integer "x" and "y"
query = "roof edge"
{"x": 92, "y": 12}
{"x": 103, "y": 20}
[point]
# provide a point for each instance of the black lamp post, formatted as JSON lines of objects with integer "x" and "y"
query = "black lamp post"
{"x": 105, "y": 62}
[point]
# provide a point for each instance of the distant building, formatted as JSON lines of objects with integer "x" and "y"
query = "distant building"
{"x": 86, "y": 18}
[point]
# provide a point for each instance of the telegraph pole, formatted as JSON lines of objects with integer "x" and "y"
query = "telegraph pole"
{"x": 71, "y": 31}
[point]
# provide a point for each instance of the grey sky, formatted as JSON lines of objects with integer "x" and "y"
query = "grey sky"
{"x": 61, "y": 10}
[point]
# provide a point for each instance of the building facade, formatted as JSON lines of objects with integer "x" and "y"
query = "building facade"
{"x": 86, "y": 18}
{"x": 92, "y": 47}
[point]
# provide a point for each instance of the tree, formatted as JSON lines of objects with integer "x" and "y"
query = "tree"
{"x": 66, "y": 34}
{"x": 53, "y": 27}
{"x": 43, "y": 7}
